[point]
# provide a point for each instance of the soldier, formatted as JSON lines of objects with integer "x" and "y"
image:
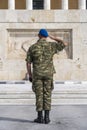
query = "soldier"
{"x": 40, "y": 55}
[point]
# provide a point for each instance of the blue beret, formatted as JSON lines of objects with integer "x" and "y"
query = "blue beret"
{"x": 43, "y": 32}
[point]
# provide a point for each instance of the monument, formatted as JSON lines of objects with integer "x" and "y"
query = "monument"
{"x": 19, "y": 29}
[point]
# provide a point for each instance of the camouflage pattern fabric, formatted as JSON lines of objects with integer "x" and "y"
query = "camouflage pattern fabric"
{"x": 43, "y": 89}
{"x": 41, "y": 56}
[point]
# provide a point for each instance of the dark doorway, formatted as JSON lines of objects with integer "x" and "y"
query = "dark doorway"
{"x": 38, "y": 4}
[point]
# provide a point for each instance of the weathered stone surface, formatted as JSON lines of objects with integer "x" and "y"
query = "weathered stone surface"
{"x": 19, "y": 29}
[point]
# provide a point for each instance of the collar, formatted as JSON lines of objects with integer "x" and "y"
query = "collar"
{"x": 42, "y": 39}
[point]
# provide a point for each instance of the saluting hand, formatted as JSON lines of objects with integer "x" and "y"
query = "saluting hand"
{"x": 58, "y": 40}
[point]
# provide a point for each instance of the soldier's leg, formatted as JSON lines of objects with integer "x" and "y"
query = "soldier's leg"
{"x": 38, "y": 89}
{"x": 47, "y": 94}
{"x": 39, "y": 95}
{"x": 47, "y": 99}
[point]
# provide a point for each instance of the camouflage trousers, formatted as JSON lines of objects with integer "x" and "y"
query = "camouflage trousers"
{"x": 43, "y": 91}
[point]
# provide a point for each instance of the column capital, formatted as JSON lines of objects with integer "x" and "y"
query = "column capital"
{"x": 11, "y": 4}
{"x": 29, "y": 4}
{"x": 47, "y": 4}
{"x": 82, "y": 4}
{"x": 65, "y": 4}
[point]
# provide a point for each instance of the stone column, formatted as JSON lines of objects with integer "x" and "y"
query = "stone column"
{"x": 82, "y": 4}
{"x": 11, "y": 4}
{"x": 29, "y": 4}
{"x": 64, "y": 4}
{"x": 47, "y": 4}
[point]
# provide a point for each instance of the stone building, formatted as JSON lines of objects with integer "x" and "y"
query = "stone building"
{"x": 20, "y": 21}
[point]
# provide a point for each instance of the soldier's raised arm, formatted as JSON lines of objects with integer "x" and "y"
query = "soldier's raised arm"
{"x": 58, "y": 40}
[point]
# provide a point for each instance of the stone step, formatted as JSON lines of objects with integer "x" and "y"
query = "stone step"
{"x": 16, "y": 93}
{"x": 32, "y": 96}
{"x": 54, "y": 101}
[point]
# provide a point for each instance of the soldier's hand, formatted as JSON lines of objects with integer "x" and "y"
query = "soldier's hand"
{"x": 65, "y": 43}
{"x": 33, "y": 88}
{"x": 30, "y": 79}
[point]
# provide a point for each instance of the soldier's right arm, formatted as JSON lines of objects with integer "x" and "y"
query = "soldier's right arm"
{"x": 58, "y": 40}
{"x": 59, "y": 45}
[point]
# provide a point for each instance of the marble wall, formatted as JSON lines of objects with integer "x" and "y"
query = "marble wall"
{"x": 19, "y": 29}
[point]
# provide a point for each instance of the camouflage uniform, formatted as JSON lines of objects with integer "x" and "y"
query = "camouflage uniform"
{"x": 41, "y": 55}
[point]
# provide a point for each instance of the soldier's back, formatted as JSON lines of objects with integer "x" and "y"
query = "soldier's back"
{"x": 42, "y": 55}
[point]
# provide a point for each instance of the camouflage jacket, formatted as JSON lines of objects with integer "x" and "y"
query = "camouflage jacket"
{"x": 41, "y": 54}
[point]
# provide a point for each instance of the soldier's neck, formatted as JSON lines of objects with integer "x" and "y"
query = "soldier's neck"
{"x": 43, "y": 38}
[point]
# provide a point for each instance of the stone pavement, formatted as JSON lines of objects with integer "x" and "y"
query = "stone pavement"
{"x": 63, "y": 117}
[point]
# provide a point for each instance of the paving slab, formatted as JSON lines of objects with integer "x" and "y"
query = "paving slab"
{"x": 63, "y": 117}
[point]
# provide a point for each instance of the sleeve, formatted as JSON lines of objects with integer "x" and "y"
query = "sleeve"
{"x": 57, "y": 46}
{"x": 29, "y": 56}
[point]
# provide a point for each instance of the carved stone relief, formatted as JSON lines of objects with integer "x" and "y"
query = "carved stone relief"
{"x": 13, "y": 66}
{"x": 19, "y": 41}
